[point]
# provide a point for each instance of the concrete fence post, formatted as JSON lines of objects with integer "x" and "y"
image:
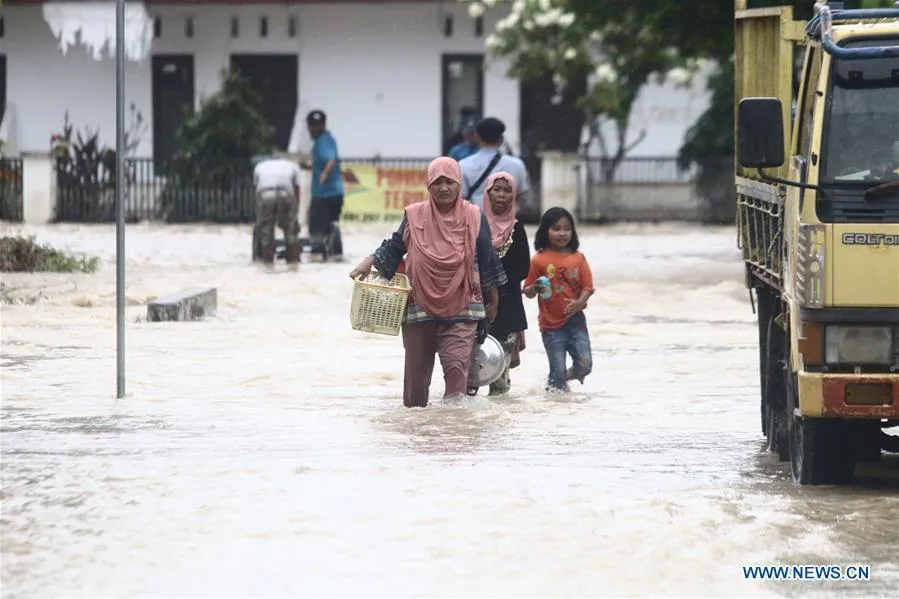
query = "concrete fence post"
{"x": 38, "y": 188}
{"x": 559, "y": 181}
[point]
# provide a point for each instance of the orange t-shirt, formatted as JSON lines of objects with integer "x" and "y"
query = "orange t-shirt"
{"x": 569, "y": 275}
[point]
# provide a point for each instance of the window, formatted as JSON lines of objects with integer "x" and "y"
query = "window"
{"x": 463, "y": 88}
{"x": 861, "y": 134}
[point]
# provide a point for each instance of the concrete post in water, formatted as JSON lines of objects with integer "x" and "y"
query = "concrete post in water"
{"x": 120, "y": 196}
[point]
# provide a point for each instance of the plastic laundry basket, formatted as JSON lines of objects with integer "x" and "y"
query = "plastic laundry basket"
{"x": 379, "y": 308}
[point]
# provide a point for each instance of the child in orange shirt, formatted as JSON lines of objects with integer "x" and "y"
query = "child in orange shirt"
{"x": 562, "y": 277}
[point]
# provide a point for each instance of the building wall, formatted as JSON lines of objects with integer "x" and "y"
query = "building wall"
{"x": 375, "y": 69}
{"x": 665, "y": 111}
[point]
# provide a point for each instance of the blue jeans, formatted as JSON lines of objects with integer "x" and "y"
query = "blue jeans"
{"x": 572, "y": 339}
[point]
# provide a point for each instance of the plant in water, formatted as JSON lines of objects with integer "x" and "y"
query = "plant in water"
{"x": 24, "y": 254}
{"x": 10, "y": 296}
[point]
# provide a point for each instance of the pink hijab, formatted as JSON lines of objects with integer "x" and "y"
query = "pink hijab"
{"x": 501, "y": 225}
{"x": 441, "y": 248}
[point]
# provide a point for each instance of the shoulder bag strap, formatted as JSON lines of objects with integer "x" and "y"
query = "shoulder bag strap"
{"x": 484, "y": 175}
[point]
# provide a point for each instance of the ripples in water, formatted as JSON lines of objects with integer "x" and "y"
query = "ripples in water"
{"x": 265, "y": 451}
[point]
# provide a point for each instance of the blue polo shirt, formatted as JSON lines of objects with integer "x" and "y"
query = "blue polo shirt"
{"x": 462, "y": 150}
{"x": 324, "y": 149}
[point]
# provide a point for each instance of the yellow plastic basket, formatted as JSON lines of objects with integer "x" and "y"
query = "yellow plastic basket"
{"x": 377, "y": 308}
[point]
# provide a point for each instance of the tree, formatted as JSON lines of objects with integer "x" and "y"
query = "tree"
{"x": 610, "y": 44}
{"x": 228, "y": 128}
{"x": 210, "y": 176}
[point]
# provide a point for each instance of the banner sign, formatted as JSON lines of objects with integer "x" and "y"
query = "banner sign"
{"x": 374, "y": 193}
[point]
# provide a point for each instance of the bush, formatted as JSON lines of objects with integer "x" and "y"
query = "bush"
{"x": 211, "y": 175}
{"x": 24, "y": 254}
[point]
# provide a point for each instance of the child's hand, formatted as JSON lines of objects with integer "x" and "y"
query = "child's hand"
{"x": 573, "y": 306}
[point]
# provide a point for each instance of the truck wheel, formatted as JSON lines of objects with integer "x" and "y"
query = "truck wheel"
{"x": 821, "y": 451}
{"x": 868, "y": 441}
{"x": 774, "y": 395}
{"x": 765, "y": 301}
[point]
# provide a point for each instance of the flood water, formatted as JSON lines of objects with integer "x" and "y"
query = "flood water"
{"x": 265, "y": 452}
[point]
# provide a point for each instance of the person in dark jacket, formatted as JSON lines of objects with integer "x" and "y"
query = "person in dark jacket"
{"x": 511, "y": 244}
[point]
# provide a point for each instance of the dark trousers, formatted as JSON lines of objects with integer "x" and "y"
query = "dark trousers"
{"x": 323, "y": 212}
{"x": 452, "y": 342}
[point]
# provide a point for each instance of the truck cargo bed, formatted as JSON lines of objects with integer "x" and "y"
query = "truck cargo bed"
{"x": 760, "y": 223}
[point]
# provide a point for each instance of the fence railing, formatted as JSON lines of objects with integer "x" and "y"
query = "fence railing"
{"x": 222, "y": 194}
{"x": 638, "y": 170}
{"x": 641, "y": 188}
{"x": 653, "y": 189}
{"x": 11, "y": 201}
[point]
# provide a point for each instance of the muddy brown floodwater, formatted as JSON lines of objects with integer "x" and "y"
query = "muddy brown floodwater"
{"x": 265, "y": 452}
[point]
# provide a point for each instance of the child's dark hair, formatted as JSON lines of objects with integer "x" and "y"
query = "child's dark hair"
{"x": 551, "y": 217}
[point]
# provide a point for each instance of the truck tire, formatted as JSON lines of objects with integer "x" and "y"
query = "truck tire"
{"x": 775, "y": 391}
{"x": 868, "y": 440}
{"x": 821, "y": 450}
{"x": 765, "y": 301}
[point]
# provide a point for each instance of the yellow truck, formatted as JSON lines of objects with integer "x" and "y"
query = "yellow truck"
{"x": 817, "y": 185}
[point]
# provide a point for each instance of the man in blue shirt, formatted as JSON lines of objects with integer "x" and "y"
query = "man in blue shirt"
{"x": 469, "y": 143}
{"x": 327, "y": 184}
{"x": 490, "y": 158}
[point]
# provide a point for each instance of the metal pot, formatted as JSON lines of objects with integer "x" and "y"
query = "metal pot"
{"x": 489, "y": 361}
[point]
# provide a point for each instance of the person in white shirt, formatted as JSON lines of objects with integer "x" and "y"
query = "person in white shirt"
{"x": 277, "y": 182}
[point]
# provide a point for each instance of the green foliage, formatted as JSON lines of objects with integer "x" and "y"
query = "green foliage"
{"x": 24, "y": 254}
{"x": 620, "y": 45}
{"x": 228, "y": 127}
{"x": 609, "y": 43}
{"x": 210, "y": 176}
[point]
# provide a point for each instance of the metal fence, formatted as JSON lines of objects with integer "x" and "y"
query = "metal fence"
{"x": 85, "y": 191}
{"x": 637, "y": 170}
{"x": 222, "y": 194}
{"x": 651, "y": 189}
{"x": 11, "y": 200}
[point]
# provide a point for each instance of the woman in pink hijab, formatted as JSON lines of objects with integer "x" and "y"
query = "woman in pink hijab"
{"x": 452, "y": 268}
{"x": 511, "y": 244}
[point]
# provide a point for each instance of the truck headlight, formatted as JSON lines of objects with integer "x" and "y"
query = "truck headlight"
{"x": 858, "y": 345}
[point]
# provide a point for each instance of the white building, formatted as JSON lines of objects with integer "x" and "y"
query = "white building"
{"x": 390, "y": 75}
